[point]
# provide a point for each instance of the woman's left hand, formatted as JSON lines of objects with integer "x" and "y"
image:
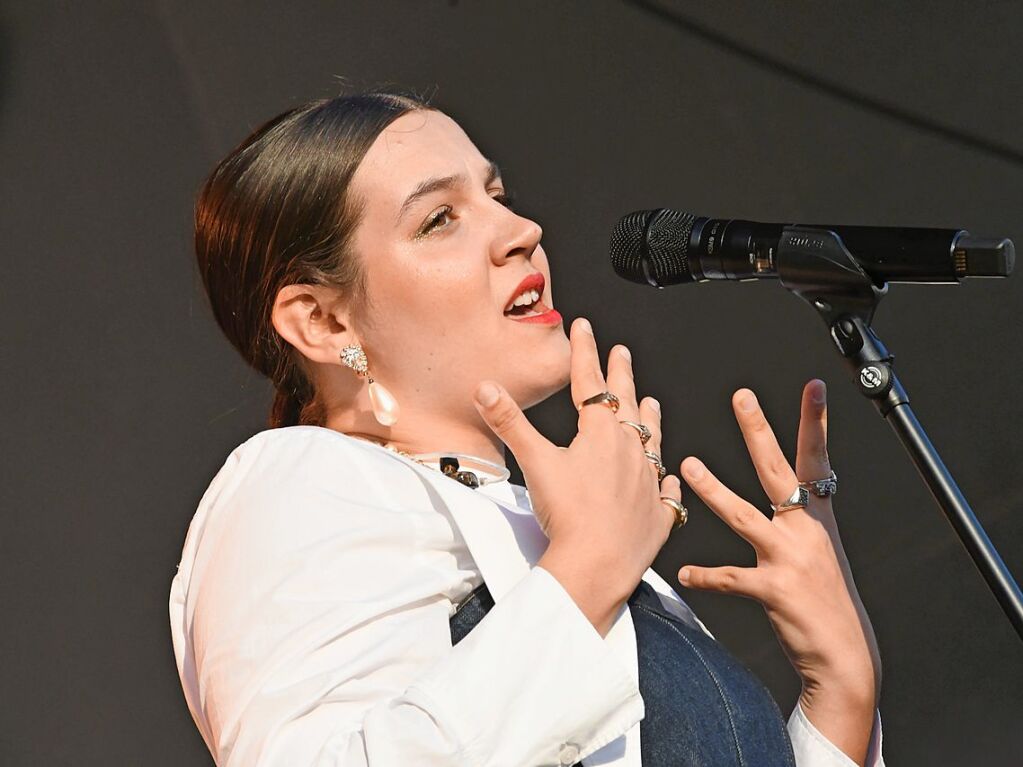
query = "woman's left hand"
{"x": 802, "y": 576}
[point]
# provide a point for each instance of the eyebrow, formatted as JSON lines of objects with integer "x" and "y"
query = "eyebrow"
{"x": 435, "y": 184}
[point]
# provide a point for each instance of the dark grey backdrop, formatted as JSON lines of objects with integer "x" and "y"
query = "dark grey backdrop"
{"x": 122, "y": 399}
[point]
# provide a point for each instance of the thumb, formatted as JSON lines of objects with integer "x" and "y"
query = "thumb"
{"x": 504, "y": 416}
{"x": 742, "y": 581}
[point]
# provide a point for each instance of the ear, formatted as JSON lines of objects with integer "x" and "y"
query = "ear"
{"x": 312, "y": 318}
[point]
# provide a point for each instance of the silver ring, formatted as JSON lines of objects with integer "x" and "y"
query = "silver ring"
{"x": 656, "y": 460}
{"x": 644, "y": 433}
{"x": 798, "y": 500}
{"x": 822, "y": 488}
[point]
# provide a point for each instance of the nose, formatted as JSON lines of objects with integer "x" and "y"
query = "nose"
{"x": 517, "y": 236}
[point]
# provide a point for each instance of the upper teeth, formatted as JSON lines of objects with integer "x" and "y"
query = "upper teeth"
{"x": 524, "y": 299}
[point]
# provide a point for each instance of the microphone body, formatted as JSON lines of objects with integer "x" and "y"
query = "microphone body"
{"x": 664, "y": 247}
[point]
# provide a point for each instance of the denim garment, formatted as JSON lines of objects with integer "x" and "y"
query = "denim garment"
{"x": 704, "y": 708}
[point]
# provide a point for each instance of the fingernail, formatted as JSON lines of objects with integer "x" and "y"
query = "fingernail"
{"x": 820, "y": 392}
{"x": 487, "y": 394}
{"x": 683, "y": 574}
{"x": 624, "y": 351}
{"x": 654, "y": 404}
{"x": 584, "y": 325}
{"x": 693, "y": 469}
{"x": 747, "y": 403}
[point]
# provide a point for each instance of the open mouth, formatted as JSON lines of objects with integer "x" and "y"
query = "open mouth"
{"x": 533, "y": 309}
{"x": 526, "y": 304}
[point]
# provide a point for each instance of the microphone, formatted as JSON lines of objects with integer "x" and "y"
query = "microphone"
{"x": 668, "y": 247}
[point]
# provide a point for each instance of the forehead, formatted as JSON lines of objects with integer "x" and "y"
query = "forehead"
{"x": 415, "y": 146}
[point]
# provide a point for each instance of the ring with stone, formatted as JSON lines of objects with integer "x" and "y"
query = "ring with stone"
{"x": 656, "y": 461}
{"x": 644, "y": 433}
{"x": 604, "y": 398}
{"x": 681, "y": 512}
{"x": 798, "y": 500}
{"x": 822, "y": 488}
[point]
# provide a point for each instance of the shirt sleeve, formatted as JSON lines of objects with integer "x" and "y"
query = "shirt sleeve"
{"x": 318, "y": 634}
{"x": 812, "y": 749}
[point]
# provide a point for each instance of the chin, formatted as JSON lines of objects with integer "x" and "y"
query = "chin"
{"x": 551, "y": 373}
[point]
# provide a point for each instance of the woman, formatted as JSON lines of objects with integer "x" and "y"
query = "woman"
{"x": 362, "y": 585}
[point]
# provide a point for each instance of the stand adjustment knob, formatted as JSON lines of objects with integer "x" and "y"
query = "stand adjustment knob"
{"x": 875, "y": 379}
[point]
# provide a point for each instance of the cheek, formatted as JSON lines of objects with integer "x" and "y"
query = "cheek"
{"x": 440, "y": 303}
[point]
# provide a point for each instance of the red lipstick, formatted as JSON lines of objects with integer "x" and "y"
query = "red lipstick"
{"x": 534, "y": 281}
{"x": 542, "y": 314}
{"x": 549, "y": 317}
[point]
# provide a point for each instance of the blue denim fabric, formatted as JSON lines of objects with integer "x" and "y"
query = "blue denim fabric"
{"x": 704, "y": 708}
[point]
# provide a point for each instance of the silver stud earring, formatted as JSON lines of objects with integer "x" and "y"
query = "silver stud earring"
{"x": 385, "y": 406}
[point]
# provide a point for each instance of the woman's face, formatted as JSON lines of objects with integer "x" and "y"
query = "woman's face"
{"x": 441, "y": 267}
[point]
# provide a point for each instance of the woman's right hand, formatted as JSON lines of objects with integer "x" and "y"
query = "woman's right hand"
{"x": 598, "y": 500}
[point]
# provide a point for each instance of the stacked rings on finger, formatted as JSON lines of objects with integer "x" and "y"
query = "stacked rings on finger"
{"x": 611, "y": 401}
{"x": 800, "y": 497}
{"x": 681, "y": 512}
{"x": 607, "y": 398}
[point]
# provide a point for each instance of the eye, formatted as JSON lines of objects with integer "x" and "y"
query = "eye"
{"x": 434, "y": 220}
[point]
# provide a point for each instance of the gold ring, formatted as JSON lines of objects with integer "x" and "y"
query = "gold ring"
{"x": 644, "y": 433}
{"x": 681, "y": 512}
{"x": 604, "y": 398}
{"x": 656, "y": 460}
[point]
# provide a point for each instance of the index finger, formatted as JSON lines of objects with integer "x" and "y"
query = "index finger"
{"x": 740, "y": 515}
{"x": 587, "y": 377}
{"x": 776, "y": 476}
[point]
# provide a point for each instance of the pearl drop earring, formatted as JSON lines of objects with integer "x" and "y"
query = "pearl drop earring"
{"x": 385, "y": 406}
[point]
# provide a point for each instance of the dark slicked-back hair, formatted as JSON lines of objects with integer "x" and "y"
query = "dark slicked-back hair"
{"x": 276, "y": 211}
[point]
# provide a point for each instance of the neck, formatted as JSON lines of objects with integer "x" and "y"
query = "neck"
{"x": 418, "y": 433}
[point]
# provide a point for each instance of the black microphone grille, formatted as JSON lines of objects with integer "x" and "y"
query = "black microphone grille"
{"x": 651, "y": 247}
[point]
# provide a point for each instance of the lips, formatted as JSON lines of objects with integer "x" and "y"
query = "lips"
{"x": 533, "y": 281}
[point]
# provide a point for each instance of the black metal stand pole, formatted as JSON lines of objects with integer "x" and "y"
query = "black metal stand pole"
{"x": 814, "y": 264}
{"x": 960, "y": 515}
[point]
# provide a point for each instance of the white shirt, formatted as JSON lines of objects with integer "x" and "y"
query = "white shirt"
{"x": 310, "y": 621}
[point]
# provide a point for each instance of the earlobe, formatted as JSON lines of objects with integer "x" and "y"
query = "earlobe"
{"x": 303, "y": 316}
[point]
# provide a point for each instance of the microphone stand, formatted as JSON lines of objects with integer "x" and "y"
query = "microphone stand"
{"x": 815, "y": 265}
